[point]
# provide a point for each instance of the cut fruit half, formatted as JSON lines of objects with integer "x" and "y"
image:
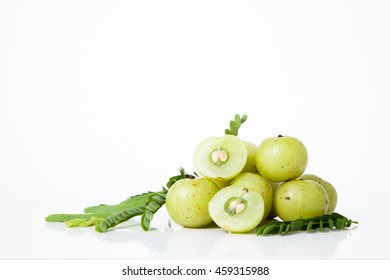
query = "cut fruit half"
{"x": 237, "y": 209}
{"x": 220, "y": 157}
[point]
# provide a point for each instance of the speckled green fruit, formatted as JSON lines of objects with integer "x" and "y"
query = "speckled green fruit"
{"x": 250, "y": 165}
{"x": 329, "y": 188}
{"x": 187, "y": 202}
{"x": 258, "y": 184}
{"x": 300, "y": 199}
{"x": 281, "y": 158}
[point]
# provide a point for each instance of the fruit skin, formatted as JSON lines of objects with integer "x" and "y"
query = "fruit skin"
{"x": 329, "y": 188}
{"x": 241, "y": 222}
{"x": 281, "y": 158}
{"x": 258, "y": 184}
{"x": 300, "y": 199}
{"x": 229, "y": 167}
{"x": 187, "y": 202}
{"x": 250, "y": 165}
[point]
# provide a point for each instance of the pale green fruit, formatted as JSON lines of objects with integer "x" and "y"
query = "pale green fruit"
{"x": 281, "y": 158}
{"x": 329, "y": 188}
{"x": 237, "y": 209}
{"x": 300, "y": 199}
{"x": 250, "y": 165}
{"x": 187, "y": 202}
{"x": 258, "y": 184}
{"x": 220, "y": 158}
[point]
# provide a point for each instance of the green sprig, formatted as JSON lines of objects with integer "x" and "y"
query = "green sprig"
{"x": 329, "y": 221}
{"x": 235, "y": 124}
{"x": 105, "y": 217}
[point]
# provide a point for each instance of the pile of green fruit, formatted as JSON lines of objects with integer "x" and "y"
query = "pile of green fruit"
{"x": 240, "y": 187}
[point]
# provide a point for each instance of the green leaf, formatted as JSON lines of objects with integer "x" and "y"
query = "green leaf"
{"x": 288, "y": 228}
{"x": 321, "y": 228}
{"x": 260, "y": 229}
{"x": 160, "y": 199}
{"x": 233, "y": 128}
{"x": 281, "y": 228}
{"x": 154, "y": 205}
{"x": 309, "y": 225}
{"x": 269, "y": 229}
{"x": 91, "y": 222}
{"x": 149, "y": 215}
{"x": 145, "y": 224}
{"x": 330, "y": 223}
{"x": 237, "y": 120}
{"x": 74, "y": 222}
{"x": 58, "y": 218}
{"x": 340, "y": 223}
{"x": 297, "y": 225}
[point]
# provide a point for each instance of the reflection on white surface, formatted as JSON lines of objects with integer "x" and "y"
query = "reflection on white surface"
{"x": 297, "y": 245}
{"x": 33, "y": 238}
{"x": 191, "y": 243}
{"x": 153, "y": 242}
{"x": 217, "y": 244}
{"x": 212, "y": 243}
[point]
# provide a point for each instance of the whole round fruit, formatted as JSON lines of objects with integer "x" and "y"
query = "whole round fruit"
{"x": 220, "y": 157}
{"x": 300, "y": 199}
{"x": 281, "y": 158}
{"x": 329, "y": 188}
{"x": 187, "y": 202}
{"x": 259, "y": 184}
{"x": 237, "y": 209}
{"x": 250, "y": 165}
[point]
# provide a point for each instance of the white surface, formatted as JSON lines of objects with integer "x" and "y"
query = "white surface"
{"x": 102, "y": 100}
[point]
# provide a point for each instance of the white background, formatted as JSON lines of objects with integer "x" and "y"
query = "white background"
{"x": 100, "y": 100}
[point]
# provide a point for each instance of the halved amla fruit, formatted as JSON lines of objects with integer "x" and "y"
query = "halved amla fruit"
{"x": 220, "y": 158}
{"x": 259, "y": 184}
{"x": 237, "y": 209}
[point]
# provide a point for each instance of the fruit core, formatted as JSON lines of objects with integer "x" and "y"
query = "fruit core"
{"x": 236, "y": 205}
{"x": 219, "y": 157}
